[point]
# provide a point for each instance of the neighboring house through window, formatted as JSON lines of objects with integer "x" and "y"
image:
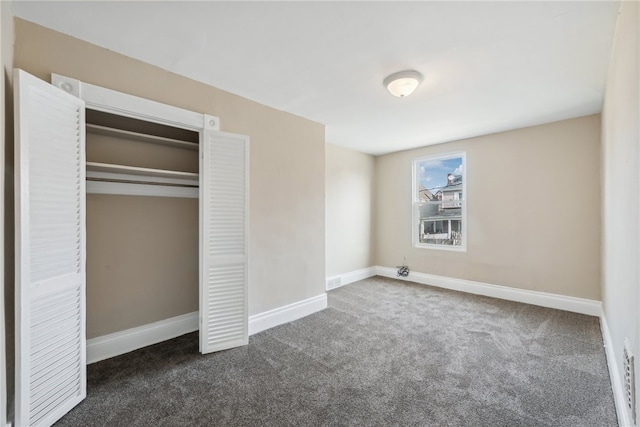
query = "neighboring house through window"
{"x": 439, "y": 211}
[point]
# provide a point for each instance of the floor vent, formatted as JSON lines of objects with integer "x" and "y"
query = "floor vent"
{"x": 629, "y": 379}
{"x": 334, "y": 282}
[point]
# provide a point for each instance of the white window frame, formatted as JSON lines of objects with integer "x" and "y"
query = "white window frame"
{"x": 415, "y": 199}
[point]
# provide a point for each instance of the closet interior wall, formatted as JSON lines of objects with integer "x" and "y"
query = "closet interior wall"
{"x": 142, "y": 251}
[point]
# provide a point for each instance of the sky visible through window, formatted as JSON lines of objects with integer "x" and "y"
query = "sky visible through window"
{"x": 432, "y": 174}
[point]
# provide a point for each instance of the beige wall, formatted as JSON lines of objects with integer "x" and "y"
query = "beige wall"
{"x": 6, "y": 216}
{"x": 350, "y": 210}
{"x": 287, "y": 165}
{"x": 142, "y": 252}
{"x": 620, "y": 176}
{"x": 542, "y": 234}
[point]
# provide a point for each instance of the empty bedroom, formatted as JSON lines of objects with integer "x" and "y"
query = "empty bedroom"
{"x": 320, "y": 213}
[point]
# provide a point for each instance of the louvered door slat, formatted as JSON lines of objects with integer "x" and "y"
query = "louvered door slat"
{"x": 50, "y": 251}
{"x": 224, "y": 211}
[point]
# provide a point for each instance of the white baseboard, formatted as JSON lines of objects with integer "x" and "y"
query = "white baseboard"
{"x": 624, "y": 418}
{"x": 544, "y": 299}
{"x": 122, "y": 342}
{"x": 288, "y": 313}
{"x": 346, "y": 278}
{"x": 118, "y": 343}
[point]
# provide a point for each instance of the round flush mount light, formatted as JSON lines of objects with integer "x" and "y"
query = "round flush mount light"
{"x": 403, "y": 83}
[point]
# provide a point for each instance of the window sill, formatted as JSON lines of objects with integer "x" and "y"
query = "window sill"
{"x": 447, "y": 248}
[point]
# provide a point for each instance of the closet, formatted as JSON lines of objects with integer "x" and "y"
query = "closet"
{"x": 66, "y": 134}
{"x": 142, "y": 224}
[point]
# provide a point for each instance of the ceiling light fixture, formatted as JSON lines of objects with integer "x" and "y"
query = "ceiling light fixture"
{"x": 403, "y": 83}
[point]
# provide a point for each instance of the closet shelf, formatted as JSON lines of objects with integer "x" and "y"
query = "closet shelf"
{"x": 105, "y": 178}
{"x": 133, "y": 170}
{"x": 142, "y": 137}
{"x": 121, "y": 173}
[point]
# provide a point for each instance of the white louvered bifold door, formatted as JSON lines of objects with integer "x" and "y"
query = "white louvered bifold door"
{"x": 50, "y": 251}
{"x": 224, "y": 215}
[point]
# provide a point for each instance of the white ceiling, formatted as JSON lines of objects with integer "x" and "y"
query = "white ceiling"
{"x": 488, "y": 66}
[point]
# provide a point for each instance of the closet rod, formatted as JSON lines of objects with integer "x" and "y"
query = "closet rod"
{"x": 145, "y": 182}
{"x": 140, "y": 189}
{"x": 142, "y": 137}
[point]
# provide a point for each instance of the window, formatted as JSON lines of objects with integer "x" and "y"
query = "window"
{"x": 439, "y": 210}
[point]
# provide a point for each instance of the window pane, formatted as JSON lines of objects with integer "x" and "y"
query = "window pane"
{"x": 440, "y": 226}
{"x": 439, "y": 183}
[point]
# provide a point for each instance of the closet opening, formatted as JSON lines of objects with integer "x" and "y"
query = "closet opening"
{"x": 142, "y": 222}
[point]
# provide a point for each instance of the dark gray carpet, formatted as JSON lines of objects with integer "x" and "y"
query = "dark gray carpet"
{"x": 384, "y": 353}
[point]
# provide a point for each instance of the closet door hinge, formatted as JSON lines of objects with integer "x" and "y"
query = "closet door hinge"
{"x": 67, "y": 84}
{"x": 211, "y": 122}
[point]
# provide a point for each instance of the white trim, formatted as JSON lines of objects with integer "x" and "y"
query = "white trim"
{"x": 122, "y": 342}
{"x": 624, "y": 419}
{"x": 135, "y": 189}
{"x": 285, "y": 314}
{"x": 123, "y": 104}
{"x": 544, "y": 299}
{"x": 3, "y": 368}
{"x": 5, "y": 141}
{"x": 350, "y": 277}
